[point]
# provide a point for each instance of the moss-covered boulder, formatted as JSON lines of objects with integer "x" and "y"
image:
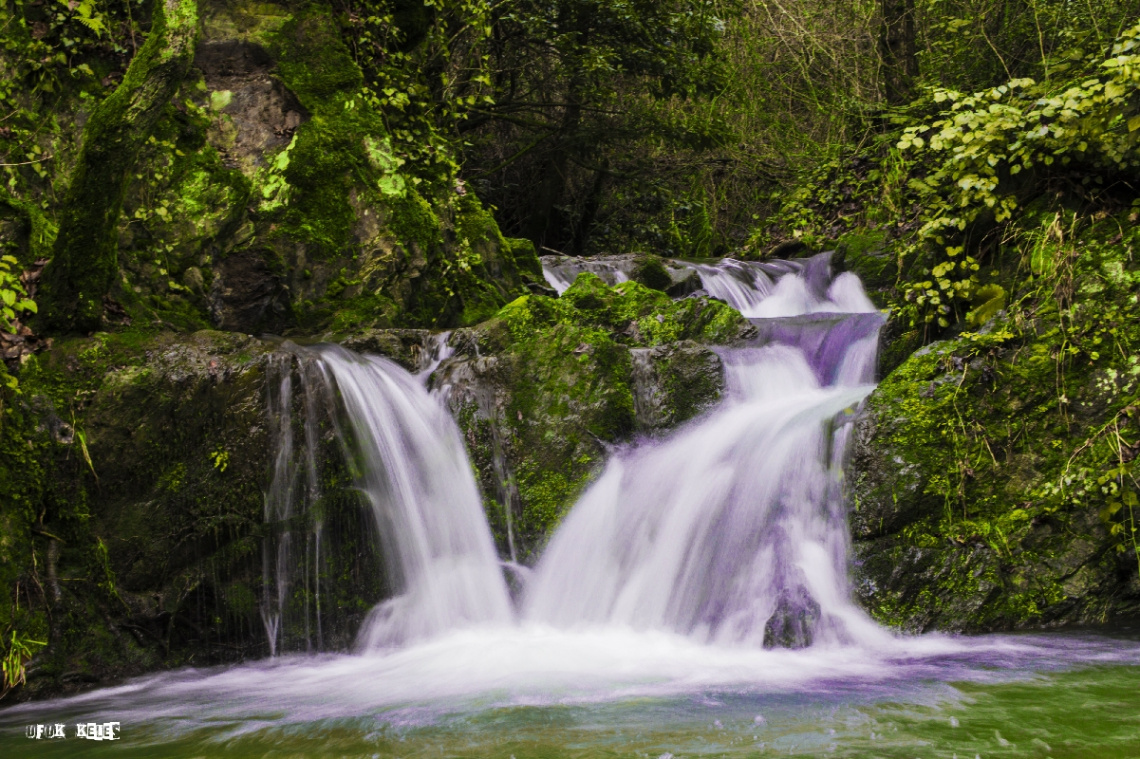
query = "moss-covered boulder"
{"x": 674, "y": 382}
{"x": 134, "y": 468}
{"x": 137, "y": 470}
{"x": 547, "y": 387}
{"x": 992, "y": 473}
{"x": 266, "y": 196}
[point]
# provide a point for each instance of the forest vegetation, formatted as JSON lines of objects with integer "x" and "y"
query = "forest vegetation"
{"x": 178, "y": 175}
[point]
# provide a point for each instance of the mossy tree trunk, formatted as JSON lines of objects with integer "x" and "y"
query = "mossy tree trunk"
{"x": 84, "y": 263}
{"x": 898, "y": 50}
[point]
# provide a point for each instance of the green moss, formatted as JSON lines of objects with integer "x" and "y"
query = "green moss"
{"x": 548, "y": 494}
{"x": 162, "y": 521}
{"x": 563, "y": 373}
{"x": 994, "y": 491}
{"x": 34, "y": 233}
{"x": 466, "y": 276}
{"x": 364, "y": 312}
{"x": 652, "y": 273}
{"x": 524, "y": 256}
{"x": 84, "y": 265}
{"x": 325, "y": 158}
{"x": 868, "y": 253}
{"x": 313, "y": 60}
{"x": 649, "y": 317}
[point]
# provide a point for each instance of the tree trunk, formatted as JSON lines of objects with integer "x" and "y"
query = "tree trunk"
{"x": 898, "y": 50}
{"x": 590, "y": 212}
{"x": 542, "y": 226}
{"x": 84, "y": 263}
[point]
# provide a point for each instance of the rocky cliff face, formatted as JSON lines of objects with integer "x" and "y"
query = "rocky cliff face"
{"x": 269, "y": 197}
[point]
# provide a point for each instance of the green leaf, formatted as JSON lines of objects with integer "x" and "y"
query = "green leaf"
{"x": 989, "y": 299}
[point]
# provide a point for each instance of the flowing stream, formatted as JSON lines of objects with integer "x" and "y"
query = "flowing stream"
{"x": 695, "y": 601}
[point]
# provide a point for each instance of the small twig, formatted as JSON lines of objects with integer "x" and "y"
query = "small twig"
{"x": 25, "y": 163}
{"x": 46, "y": 534}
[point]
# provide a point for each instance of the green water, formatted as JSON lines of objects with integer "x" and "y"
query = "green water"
{"x": 1094, "y": 712}
{"x": 1085, "y": 707}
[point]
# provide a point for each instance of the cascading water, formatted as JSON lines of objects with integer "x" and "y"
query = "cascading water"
{"x": 560, "y": 271}
{"x": 689, "y": 557}
{"x": 293, "y": 489}
{"x": 731, "y": 531}
{"x": 734, "y": 530}
{"x": 649, "y": 621}
{"x": 414, "y": 471}
{"x": 407, "y": 460}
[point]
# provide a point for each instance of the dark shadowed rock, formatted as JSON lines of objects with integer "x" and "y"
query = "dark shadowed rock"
{"x": 793, "y": 622}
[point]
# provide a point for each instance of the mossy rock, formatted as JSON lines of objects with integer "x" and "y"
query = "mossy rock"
{"x": 543, "y": 388}
{"x": 141, "y": 462}
{"x": 653, "y": 274}
{"x": 269, "y": 199}
{"x": 132, "y": 521}
{"x": 673, "y": 383}
{"x": 989, "y": 487}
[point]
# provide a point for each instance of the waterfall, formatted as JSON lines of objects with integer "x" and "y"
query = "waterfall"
{"x": 407, "y": 460}
{"x": 438, "y": 350}
{"x": 731, "y": 531}
{"x": 293, "y": 489}
{"x": 734, "y": 529}
{"x": 745, "y": 285}
{"x": 560, "y": 271}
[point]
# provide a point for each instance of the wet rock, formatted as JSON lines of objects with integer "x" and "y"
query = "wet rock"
{"x": 652, "y": 273}
{"x": 673, "y": 383}
{"x": 686, "y": 286}
{"x": 193, "y": 280}
{"x": 793, "y": 622}
{"x": 164, "y": 459}
{"x": 407, "y": 347}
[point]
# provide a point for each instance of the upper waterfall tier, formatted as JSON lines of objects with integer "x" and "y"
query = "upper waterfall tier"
{"x": 758, "y": 289}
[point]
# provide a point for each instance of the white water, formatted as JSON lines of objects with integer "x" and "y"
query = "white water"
{"x": 294, "y": 486}
{"x": 408, "y": 461}
{"x": 560, "y": 271}
{"x": 733, "y": 531}
{"x": 438, "y": 350}
{"x": 758, "y": 289}
{"x": 341, "y": 705}
{"x": 662, "y": 582}
{"x": 414, "y": 472}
